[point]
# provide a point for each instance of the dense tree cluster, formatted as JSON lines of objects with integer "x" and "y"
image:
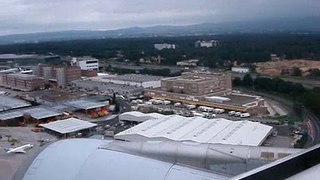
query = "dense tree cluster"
{"x": 244, "y": 48}
{"x": 295, "y": 91}
{"x": 156, "y": 72}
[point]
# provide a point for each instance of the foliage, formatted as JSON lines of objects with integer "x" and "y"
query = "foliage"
{"x": 243, "y": 48}
{"x": 302, "y": 142}
{"x": 237, "y": 81}
{"x": 289, "y": 119}
{"x": 247, "y": 80}
{"x": 314, "y": 73}
{"x": 295, "y": 91}
{"x": 296, "y": 71}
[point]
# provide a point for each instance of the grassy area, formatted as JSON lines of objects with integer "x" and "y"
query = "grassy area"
{"x": 289, "y": 119}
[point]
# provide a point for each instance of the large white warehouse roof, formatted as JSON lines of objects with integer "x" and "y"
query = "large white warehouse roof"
{"x": 197, "y": 129}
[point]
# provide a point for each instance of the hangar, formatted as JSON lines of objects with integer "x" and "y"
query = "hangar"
{"x": 68, "y": 126}
{"x": 8, "y": 103}
{"x": 197, "y": 129}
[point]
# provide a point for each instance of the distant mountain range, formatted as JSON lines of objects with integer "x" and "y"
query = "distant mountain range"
{"x": 300, "y": 25}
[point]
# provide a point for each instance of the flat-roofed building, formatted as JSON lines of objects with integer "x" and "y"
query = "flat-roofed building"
{"x": 140, "y": 80}
{"x": 33, "y": 115}
{"x": 8, "y": 103}
{"x": 200, "y": 130}
{"x": 93, "y": 109}
{"x": 188, "y": 63}
{"x": 136, "y": 116}
{"x": 86, "y": 63}
{"x": 68, "y": 126}
{"x": 161, "y": 46}
{"x": 109, "y": 88}
{"x": 23, "y": 82}
{"x": 198, "y": 84}
{"x": 243, "y": 70}
{"x": 206, "y": 44}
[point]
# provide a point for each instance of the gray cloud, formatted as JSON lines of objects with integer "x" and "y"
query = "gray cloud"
{"x": 21, "y": 16}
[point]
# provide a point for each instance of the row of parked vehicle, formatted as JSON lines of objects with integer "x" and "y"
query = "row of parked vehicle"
{"x": 238, "y": 114}
{"x": 205, "y": 111}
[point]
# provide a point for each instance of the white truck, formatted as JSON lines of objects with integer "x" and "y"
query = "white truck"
{"x": 198, "y": 114}
{"x": 219, "y": 111}
{"x": 190, "y": 106}
{"x": 244, "y": 115}
{"x": 165, "y": 102}
{"x": 237, "y": 114}
{"x": 177, "y": 104}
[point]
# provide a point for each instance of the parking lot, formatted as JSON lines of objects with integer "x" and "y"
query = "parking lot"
{"x": 15, "y": 137}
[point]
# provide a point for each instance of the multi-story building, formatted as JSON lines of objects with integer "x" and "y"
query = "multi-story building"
{"x": 206, "y": 89}
{"x": 198, "y": 84}
{"x": 61, "y": 75}
{"x": 86, "y": 63}
{"x": 23, "y": 82}
{"x": 164, "y": 46}
{"x": 207, "y": 44}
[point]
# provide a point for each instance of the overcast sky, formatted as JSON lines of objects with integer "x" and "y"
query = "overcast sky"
{"x": 23, "y": 16}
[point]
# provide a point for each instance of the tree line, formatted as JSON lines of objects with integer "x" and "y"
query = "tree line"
{"x": 295, "y": 91}
{"x": 243, "y": 48}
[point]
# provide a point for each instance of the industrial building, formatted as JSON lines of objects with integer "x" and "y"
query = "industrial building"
{"x": 69, "y": 127}
{"x": 145, "y": 81}
{"x": 161, "y": 46}
{"x": 86, "y": 63}
{"x": 93, "y": 109}
{"x": 9, "y": 103}
{"x": 200, "y": 130}
{"x": 58, "y": 75}
{"x": 206, "y": 44}
{"x": 33, "y": 115}
{"x": 108, "y": 88}
{"x": 23, "y": 82}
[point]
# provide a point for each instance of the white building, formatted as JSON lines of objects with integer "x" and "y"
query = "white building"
{"x": 164, "y": 46}
{"x": 207, "y": 44}
{"x": 243, "y": 70}
{"x": 86, "y": 63}
{"x": 136, "y": 116}
{"x": 200, "y": 130}
{"x": 189, "y": 63}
